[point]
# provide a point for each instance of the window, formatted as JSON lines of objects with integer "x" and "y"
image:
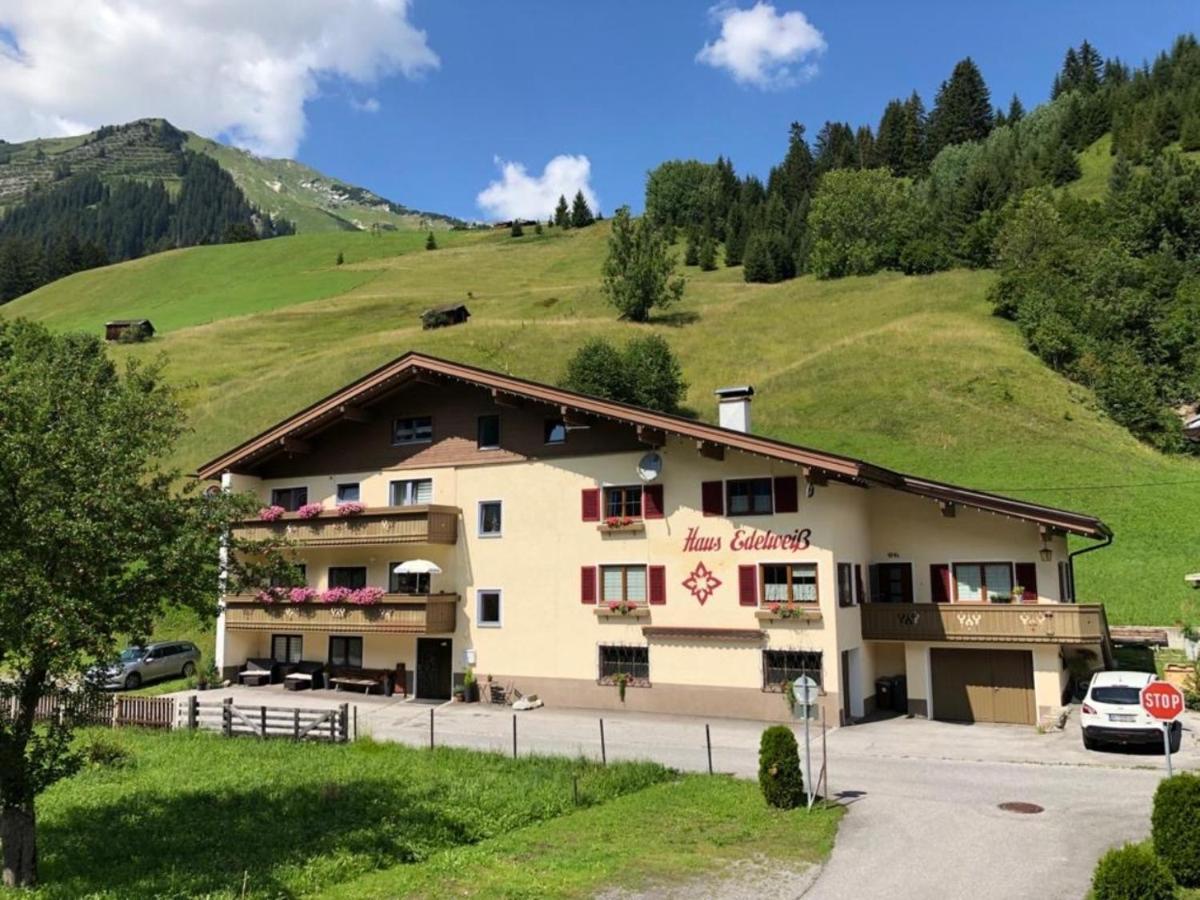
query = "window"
{"x": 353, "y": 577}
{"x": 1066, "y": 583}
{"x": 285, "y": 648}
{"x": 981, "y": 582}
{"x": 780, "y": 667}
{"x": 413, "y": 430}
{"x": 845, "y": 584}
{"x": 623, "y": 502}
{"x": 748, "y": 497}
{"x": 291, "y": 499}
{"x": 488, "y": 608}
{"x": 789, "y": 583}
{"x": 345, "y": 651}
{"x": 632, "y": 661}
{"x": 623, "y": 584}
{"x": 301, "y": 576}
{"x": 413, "y": 492}
{"x": 348, "y": 493}
{"x": 554, "y": 431}
{"x": 490, "y": 518}
{"x": 407, "y": 582}
{"x": 487, "y": 434}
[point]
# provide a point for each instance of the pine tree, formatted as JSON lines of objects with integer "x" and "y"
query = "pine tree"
{"x": 792, "y": 180}
{"x": 516, "y": 230}
{"x": 581, "y": 213}
{"x": 865, "y": 146}
{"x": 889, "y": 138}
{"x": 691, "y": 250}
{"x": 562, "y": 214}
{"x": 431, "y": 242}
{"x": 915, "y": 151}
{"x": 707, "y": 253}
{"x": 1121, "y": 175}
{"x": 340, "y": 258}
{"x": 1064, "y": 166}
{"x": 758, "y": 265}
{"x": 962, "y": 110}
{"x": 735, "y": 234}
{"x": 1189, "y": 132}
{"x": 1016, "y": 110}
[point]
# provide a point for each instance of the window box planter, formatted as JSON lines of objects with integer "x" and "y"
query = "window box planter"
{"x": 797, "y": 614}
{"x": 622, "y": 526}
{"x": 631, "y": 612}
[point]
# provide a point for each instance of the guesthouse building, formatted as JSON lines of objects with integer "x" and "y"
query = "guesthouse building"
{"x": 445, "y": 518}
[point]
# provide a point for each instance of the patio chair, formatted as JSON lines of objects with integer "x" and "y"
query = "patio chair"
{"x": 305, "y": 676}
{"x": 258, "y": 671}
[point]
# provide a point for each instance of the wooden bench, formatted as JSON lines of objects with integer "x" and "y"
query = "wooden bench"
{"x": 388, "y": 681}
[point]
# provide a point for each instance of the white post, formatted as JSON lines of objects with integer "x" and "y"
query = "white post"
{"x": 222, "y": 582}
{"x": 1167, "y": 745}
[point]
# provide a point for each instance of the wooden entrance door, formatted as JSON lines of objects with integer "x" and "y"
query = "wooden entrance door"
{"x": 434, "y": 664}
{"x": 983, "y": 685}
{"x": 891, "y": 583}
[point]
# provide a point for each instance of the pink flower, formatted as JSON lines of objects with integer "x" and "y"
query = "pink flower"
{"x": 271, "y": 513}
{"x": 353, "y": 508}
{"x": 270, "y": 595}
{"x": 773, "y": 607}
{"x": 367, "y": 596}
{"x": 336, "y": 595}
{"x": 614, "y": 605}
{"x": 302, "y": 595}
{"x": 309, "y": 510}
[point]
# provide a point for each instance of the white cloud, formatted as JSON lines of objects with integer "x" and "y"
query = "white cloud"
{"x": 519, "y": 195}
{"x": 761, "y": 47}
{"x": 243, "y": 68}
{"x": 370, "y": 105}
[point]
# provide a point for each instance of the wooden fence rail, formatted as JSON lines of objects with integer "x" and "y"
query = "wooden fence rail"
{"x": 267, "y": 721}
{"x": 116, "y": 711}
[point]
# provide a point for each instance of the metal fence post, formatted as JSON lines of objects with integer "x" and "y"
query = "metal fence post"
{"x": 603, "y": 751}
{"x": 514, "y": 735}
{"x": 708, "y": 741}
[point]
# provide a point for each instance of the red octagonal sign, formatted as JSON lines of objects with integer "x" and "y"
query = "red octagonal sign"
{"x": 1163, "y": 701}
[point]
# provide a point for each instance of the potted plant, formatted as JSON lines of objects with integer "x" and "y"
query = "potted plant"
{"x": 351, "y": 508}
{"x": 1001, "y": 598}
{"x": 621, "y": 679}
{"x": 470, "y": 688}
{"x": 309, "y": 511}
{"x": 271, "y": 513}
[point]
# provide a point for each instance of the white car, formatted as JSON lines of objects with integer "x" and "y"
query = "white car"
{"x": 1112, "y": 712}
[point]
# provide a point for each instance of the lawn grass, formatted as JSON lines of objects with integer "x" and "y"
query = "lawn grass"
{"x": 914, "y": 373}
{"x": 199, "y": 815}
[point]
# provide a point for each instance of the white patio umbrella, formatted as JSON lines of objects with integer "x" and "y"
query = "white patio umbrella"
{"x": 418, "y": 567}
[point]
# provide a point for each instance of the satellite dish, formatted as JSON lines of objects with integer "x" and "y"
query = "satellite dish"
{"x": 649, "y": 467}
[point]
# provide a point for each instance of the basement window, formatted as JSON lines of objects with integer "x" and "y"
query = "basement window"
{"x": 634, "y": 662}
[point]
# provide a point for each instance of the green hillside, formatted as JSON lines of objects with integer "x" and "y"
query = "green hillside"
{"x": 910, "y": 372}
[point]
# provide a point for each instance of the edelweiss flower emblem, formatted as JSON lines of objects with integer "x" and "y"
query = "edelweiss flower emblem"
{"x": 701, "y": 583}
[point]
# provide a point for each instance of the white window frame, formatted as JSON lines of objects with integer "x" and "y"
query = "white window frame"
{"x": 392, "y": 490}
{"x": 337, "y": 491}
{"x": 479, "y": 592}
{"x": 479, "y": 520}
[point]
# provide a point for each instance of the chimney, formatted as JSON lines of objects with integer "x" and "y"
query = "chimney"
{"x": 733, "y": 407}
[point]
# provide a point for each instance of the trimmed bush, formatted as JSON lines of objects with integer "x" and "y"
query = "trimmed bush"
{"x": 1132, "y": 872}
{"x": 779, "y": 773}
{"x": 1175, "y": 826}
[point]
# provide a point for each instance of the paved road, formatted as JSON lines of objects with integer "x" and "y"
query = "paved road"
{"x": 922, "y": 797}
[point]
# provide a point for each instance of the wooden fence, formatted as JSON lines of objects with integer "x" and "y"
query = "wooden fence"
{"x": 267, "y": 721}
{"x": 116, "y": 711}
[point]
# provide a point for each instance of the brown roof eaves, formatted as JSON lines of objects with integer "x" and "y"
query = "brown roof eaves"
{"x": 845, "y": 468}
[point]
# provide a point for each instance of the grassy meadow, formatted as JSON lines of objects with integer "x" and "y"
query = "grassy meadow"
{"x": 186, "y": 814}
{"x": 909, "y": 372}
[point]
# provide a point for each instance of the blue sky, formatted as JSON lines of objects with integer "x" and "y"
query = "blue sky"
{"x": 418, "y": 99}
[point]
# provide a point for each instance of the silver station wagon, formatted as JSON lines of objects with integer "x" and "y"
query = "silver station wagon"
{"x": 138, "y": 665}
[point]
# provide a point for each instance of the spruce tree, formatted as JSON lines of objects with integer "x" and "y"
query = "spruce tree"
{"x": 793, "y": 179}
{"x": 431, "y": 242}
{"x": 562, "y": 213}
{"x": 1016, "y": 110}
{"x": 915, "y": 151}
{"x": 691, "y": 250}
{"x": 758, "y": 265}
{"x": 707, "y": 253}
{"x": 1063, "y": 166}
{"x": 962, "y": 110}
{"x": 1189, "y": 132}
{"x": 735, "y": 235}
{"x": 890, "y": 137}
{"x": 1121, "y": 175}
{"x": 581, "y": 213}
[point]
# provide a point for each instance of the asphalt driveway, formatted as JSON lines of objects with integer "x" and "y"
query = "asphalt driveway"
{"x": 922, "y": 797}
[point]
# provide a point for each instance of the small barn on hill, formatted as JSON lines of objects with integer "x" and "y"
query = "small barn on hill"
{"x": 441, "y": 316}
{"x": 128, "y": 330}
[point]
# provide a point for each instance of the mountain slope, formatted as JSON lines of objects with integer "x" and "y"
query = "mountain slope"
{"x": 913, "y": 373}
{"x": 153, "y": 148}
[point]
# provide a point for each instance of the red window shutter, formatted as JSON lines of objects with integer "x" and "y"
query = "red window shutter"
{"x": 712, "y": 498}
{"x": 1027, "y": 578}
{"x": 587, "y": 584}
{"x": 591, "y": 504}
{"x": 787, "y": 500}
{"x": 658, "y": 584}
{"x": 748, "y": 585}
{"x": 939, "y": 582}
{"x": 652, "y": 501}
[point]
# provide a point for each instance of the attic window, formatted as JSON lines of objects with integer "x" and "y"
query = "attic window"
{"x": 413, "y": 430}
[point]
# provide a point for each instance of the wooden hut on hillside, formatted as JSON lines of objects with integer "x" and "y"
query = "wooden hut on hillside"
{"x": 441, "y": 316}
{"x": 128, "y": 330}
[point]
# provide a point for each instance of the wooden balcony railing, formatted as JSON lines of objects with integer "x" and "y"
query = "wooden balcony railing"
{"x": 395, "y": 614}
{"x": 1049, "y": 623}
{"x": 424, "y": 524}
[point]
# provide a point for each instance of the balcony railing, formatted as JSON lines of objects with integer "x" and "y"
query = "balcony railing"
{"x": 425, "y": 524}
{"x": 395, "y": 614}
{"x": 1050, "y": 623}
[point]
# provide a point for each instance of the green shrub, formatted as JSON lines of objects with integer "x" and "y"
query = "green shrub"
{"x": 1175, "y": 826}
{"x": 1132, "y": 873}
{"x": 779, "y": 773}
{"x": 103, "y": 751}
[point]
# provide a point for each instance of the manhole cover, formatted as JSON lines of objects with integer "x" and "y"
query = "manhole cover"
{"x": 1019, "y": 806}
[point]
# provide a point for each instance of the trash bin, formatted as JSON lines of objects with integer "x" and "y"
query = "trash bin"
{"x": 900, "y": 694}
{"x": 883, "y": 693}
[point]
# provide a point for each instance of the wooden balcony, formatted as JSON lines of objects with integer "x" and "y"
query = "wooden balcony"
{"x": 1038, "y": 623}
{"x": 424, "y": 524}
{"x": 395, "y": 614}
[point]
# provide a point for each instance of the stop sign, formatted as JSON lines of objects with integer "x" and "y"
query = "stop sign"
{"x": 1163, "y": 701}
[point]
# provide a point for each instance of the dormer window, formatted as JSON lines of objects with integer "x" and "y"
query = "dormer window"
{"x": 554, "y": 431}
{"x": 412, "y": 430}
{"x": 488, "y": 432}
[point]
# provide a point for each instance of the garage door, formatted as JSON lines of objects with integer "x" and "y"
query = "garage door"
{"x": 983, "y": 685}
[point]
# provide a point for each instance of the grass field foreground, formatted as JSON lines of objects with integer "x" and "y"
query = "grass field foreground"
{"x": 188, "y": 815}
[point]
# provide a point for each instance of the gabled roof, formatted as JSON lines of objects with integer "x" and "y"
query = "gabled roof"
{"x": 413, "y": 366}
